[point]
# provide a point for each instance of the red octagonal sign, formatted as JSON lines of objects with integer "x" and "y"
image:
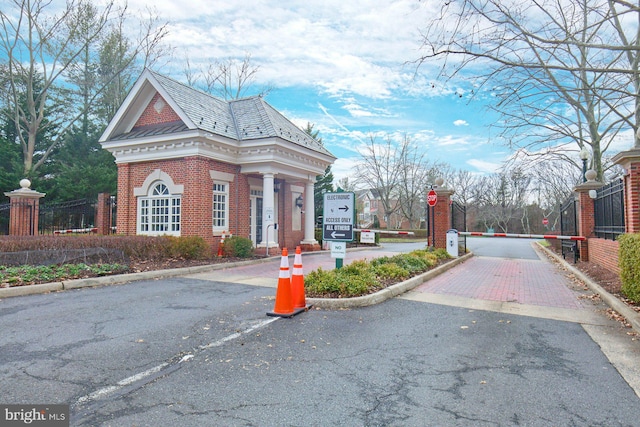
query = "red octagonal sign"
{"x": 432, "y": 198}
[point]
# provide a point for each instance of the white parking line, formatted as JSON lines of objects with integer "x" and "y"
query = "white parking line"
{"x": 105, "y": 391}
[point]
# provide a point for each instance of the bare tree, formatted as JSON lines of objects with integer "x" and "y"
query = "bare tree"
{"x": 562, "y": 73}
{"x": 379, "y": 169}
{"x": 228, "y": 79}
{"x": 41, "y": 49}
{"x": 416, "y": 172}
{"x": 501, "y": 199}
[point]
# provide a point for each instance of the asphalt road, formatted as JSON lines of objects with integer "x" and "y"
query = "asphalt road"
{"x": 501, "y": 247}
{"x": 199, "y": 351}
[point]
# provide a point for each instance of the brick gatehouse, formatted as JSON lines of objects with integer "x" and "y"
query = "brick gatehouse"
{"x": 190, "y": 164}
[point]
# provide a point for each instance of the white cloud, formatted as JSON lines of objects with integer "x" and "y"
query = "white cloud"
{"x": 344, "y": 167}
{"x": 460, "y": 123}
{"x": 450, "y": 140}
{"x": 484, "y": 166}
{"x": 340, "y": 46}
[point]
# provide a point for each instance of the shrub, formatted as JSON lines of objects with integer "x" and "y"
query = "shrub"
{"x": 321, "y": 282}
{"x": 380, "y": 261}
{"x": 189, "y": 247}
{"x": 391, "y": 271}
{"x": 629, "y": 262}
{"x": 354, "y": 279}
{"x": 237, "y": 246}
{"x": 411, "y": 262}
{"x": 138, "y": 247}
{"x": 441, "y": 253}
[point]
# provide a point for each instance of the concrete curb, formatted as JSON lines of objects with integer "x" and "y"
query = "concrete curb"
{"x": 387, "y": 293}
{"x": 611, "y": 300}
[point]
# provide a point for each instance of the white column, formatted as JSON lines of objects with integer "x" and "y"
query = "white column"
{"x": 268, "y": 211}
{"x": 309, "y": 215}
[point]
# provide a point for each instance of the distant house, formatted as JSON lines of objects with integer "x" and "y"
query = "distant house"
{"x": 371, "y": 212}
{"x": 190, "y": 164}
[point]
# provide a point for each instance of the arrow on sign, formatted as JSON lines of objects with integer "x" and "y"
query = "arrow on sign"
{"x": 346, "y": 208}
{"x": 334, "y": 235}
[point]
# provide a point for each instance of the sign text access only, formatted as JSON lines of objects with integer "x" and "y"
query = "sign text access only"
{"x": 337, "y": 217}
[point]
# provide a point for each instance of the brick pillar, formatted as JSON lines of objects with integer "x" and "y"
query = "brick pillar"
{"x": 103, "y": 214}
{"x": 630, "y": 161}
{"x": 442, "y": 212}
{"x": 127, "y": 204}
{"x": 24, "y": 210}
{"x": 586, "y": 213}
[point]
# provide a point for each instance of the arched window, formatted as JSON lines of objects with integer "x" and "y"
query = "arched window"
{"x": 159, "y": 211}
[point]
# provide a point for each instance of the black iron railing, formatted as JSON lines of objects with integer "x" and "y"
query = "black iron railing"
{"x": 609, "y": 210}
{"x": 569, "y": 217}
{"x": 76, "y": 216}
{"x": 459, "y": 222}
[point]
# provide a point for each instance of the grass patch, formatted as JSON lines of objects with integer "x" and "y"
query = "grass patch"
{"x": 29, "y": 275}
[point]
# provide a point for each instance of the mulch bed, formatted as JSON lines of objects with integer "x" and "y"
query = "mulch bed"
{"x": 607, "y": 279}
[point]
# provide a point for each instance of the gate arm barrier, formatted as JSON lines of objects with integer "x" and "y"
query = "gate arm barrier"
{"x": 523, "y": 236}
{"x": 410, "y": 233}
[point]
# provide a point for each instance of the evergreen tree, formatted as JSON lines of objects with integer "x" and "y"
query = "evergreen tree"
{"x": 10, "y": 160}
{"x": 324, "y": 183}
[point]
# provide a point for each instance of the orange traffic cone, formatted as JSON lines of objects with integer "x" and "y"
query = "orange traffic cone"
{"x": 297, "y": 282}
{"x": 284, "y": 300}
{"x": 221, "y": 244}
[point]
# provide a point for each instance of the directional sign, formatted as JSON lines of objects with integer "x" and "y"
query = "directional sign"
{"x": 337, "y": 217}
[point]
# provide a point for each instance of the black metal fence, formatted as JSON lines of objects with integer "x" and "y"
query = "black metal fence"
{"x": 569, "y": 227}
{"x": 76, "y": 216}
{"x": 569, "y": 217}
{"x": 5, "y": 208}
{"x": 609, "y": 210}
{"x": 459, "y": 222}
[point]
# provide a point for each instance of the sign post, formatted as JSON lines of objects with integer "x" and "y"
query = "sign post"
{"x": 337, "y": 222}
{"x": 432, "y": 199}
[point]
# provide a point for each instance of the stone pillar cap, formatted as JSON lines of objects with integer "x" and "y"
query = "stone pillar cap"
{"x": 24, "y": 191}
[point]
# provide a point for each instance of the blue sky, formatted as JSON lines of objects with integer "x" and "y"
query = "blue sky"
{"x": 342, "y": 66}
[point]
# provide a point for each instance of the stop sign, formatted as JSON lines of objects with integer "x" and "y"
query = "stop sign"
{"x": 545, "y": 221}
{"x": 432, "y": 198}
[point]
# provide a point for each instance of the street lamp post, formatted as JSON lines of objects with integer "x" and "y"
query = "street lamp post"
{"x": 584, "y": 155}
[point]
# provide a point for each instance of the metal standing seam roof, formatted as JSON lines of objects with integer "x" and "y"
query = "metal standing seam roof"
{"x": 241, "y": 119}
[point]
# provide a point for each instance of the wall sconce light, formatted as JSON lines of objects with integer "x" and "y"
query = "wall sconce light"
{"x": 299, "y": 201}
{"x": 276, "y": 186}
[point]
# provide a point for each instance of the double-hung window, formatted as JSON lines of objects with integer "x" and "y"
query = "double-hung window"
{"x": 220, "y": 206}
{"x": 159, "y": 212}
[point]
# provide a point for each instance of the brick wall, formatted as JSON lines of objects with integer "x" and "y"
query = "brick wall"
{"x": 604, "y": 253}
{"x": 152, "y": 117}
{"x": 632, "y": 198}
{"x": 196, "y": 203}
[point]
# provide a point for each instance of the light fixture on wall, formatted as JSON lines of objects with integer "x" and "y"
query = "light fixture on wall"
{"x": 299, "y": 201}
{"x": 276, "y": 186}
